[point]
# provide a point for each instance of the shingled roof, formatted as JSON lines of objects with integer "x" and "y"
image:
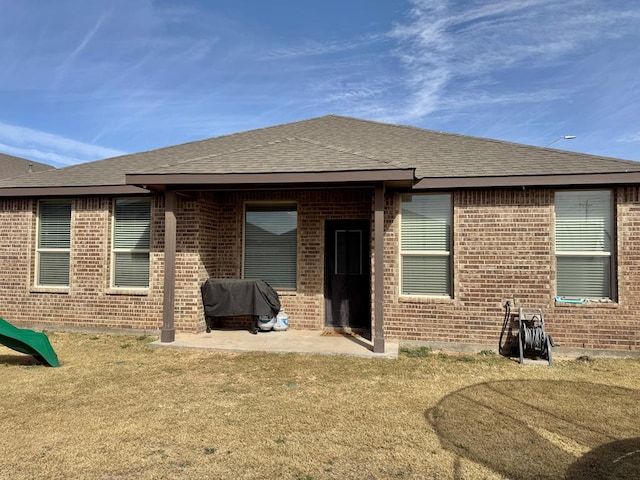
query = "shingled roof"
{"x": 333, "y": 144}
{"x": 11, "y": 166}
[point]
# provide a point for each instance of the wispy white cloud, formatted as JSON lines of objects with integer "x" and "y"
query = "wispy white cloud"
{"x": 49, "y": 148}
{"x": 479, "y": 98}
{"x": 114, "y": 69}
{"x": 146, "y": 74}
{"x": 356, "y": 93}
{"x": 630, "y": 138}
{"x": 314, "y": 48}
{"x": 83, "y": 43}
{"x": 48, "y": 157}
{"x": 449, "y": 49}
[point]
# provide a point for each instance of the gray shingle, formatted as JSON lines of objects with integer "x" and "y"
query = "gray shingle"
{"x": 334, "y": 143}
{"x": 289, "y": 155}
{"x": 11, "y": 166}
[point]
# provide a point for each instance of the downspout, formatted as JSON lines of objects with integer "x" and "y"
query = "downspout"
{"x": 378, "y": 268}
{"x": 168, "y": 333}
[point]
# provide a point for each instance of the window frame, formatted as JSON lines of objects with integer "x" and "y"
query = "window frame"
{"x": 266, "y": 204}
{"x": 115, "y": 251}
{"x": 449, "y": 254}
{"x": 40, "y": 250}
{"x": 611, "y": 254}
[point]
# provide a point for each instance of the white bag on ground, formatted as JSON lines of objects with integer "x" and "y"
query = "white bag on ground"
{"x": 282, "y": 321}
{"x": 266, "y": 322}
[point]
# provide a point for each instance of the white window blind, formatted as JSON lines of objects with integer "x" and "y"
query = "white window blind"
{"x": 54, "y": 243}
{"x": 584, "y": 243}
{"x": 131, "y": 243}
{"x": 425, "y": 244}
{"x": 270, "y": 244}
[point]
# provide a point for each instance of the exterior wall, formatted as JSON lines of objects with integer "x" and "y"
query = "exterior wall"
{"x": 88, "y": 302}
{"x": 305, "y": 306}
{"x": 209, "y": 244}
{"x": 503, "y": 250}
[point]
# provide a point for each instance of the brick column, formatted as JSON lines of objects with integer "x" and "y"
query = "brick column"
{"x": 378, "y": 269}
{"x": 168, "y": 333}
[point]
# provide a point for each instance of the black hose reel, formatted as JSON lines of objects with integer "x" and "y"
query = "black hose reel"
{"x": 532, "y": 339}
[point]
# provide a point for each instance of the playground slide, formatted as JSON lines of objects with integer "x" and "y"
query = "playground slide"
{"x": 29, "y": 342}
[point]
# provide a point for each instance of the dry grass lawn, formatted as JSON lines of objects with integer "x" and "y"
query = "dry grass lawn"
{"x": 119, "y": 409}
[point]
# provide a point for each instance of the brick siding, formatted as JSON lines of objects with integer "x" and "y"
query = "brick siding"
{"x": 502, "y": 250}
{"x": 305, "y": 306}
{"x": 88, "y": 302}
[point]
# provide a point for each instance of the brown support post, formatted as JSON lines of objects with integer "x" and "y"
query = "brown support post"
{"x": 378, "y": 270}
{"x": 168, "y": 333}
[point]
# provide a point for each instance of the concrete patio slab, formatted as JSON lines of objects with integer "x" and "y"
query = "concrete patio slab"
{"x": 291, "y": 341}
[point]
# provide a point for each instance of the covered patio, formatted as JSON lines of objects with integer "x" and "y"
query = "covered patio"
{"x": 337, "y": 202}
{"x": 312, "y": 342}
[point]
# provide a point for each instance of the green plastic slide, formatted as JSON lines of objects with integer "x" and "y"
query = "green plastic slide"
{"x": 29, "y": 342}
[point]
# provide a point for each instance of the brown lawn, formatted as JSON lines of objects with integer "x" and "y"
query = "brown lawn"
{"x": 119, "y": 409}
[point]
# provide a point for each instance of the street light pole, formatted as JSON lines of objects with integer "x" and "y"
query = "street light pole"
{"x": 564, "y": 137}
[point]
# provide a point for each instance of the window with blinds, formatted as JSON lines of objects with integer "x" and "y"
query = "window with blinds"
{"x": 54, "y": 243}
{"x": 425, "y": 244}
{"x": 271, "y": 244}
{"x": 584, "y": 243}
{"x": 131, "y": 243}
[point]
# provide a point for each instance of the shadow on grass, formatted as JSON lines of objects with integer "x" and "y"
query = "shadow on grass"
{"x": 19, "y": 359}
{"x": 536, "y": 429}
{"x": 619, "y": 459}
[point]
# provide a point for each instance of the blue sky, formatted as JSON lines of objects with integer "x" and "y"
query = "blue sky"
{"x": 83, "y": 80}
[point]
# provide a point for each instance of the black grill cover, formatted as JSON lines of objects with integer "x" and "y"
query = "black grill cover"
{"x": 226, "y": 297}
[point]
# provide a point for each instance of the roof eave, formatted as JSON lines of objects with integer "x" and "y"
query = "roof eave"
{"x": 562, "y": 180}
{"x": 71, "y": 191}
{"x": 154, "y": 181}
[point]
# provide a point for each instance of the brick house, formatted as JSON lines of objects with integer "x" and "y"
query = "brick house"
{"x": 402, "y": 233}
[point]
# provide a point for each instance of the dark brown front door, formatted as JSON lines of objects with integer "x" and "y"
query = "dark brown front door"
{"x": 347, "y": 274}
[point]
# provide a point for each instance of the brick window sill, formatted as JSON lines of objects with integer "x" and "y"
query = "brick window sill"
{"x": 286, "y": 293}
{"x": 36, "y": 289}
{"x": 417, "y": 299}
{"x": 588, "y": 304}
{"x": 137, "y": 292}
